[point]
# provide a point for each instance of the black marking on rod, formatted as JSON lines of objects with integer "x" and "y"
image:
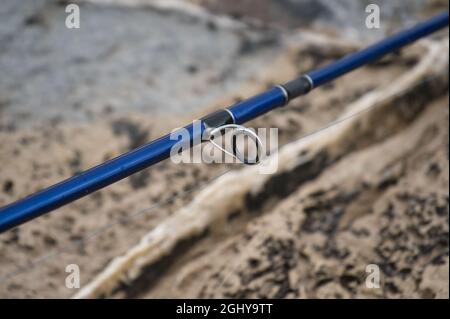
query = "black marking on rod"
{"x": 300, "y": 86}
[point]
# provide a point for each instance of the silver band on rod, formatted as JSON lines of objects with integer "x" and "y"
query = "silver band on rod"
{"x": 285, "y": 93}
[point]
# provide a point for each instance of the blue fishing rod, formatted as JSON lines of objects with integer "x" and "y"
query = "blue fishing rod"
{"x": 149, "y": 154}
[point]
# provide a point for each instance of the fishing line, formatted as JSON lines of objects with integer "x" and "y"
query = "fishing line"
{"x": 324, "y": 128}
{"x": 32, "y": 265}
{"x": 41, "y": 260}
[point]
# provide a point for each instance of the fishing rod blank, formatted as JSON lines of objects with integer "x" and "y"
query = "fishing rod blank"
{"x": 149, "y": 154}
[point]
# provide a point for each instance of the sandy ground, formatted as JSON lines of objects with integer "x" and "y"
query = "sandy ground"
{"x": 384, "y": 201}
{"x": 389, "y": 209}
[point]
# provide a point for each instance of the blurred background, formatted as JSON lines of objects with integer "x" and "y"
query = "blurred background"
{"x": 135, "y": 69}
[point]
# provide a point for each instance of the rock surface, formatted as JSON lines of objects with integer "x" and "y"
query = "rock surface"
{"x": 70, "y": 101}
